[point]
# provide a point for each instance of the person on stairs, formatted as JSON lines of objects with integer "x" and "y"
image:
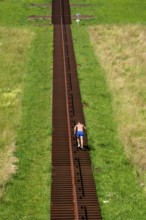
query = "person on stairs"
{"x": 79, "y": 132}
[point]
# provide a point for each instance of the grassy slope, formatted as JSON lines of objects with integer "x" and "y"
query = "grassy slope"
{"x": 35, "y": 128}
{"x": 115, "y": 178}
{"x": 119, "y": 192}
{"x": 27, "y": 194}
{"x": 30, "y": 186}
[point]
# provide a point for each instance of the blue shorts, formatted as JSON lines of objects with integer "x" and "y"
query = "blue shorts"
{"x": 79, "y": 133}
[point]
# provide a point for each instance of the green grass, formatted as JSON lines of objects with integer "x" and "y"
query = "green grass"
{"x": 12, "y": 74}
{"x": 118, "y": 188}
{"x": 26, "y": 65}
{"x": 16, "y": 13}
{"x": 30, "y": 187}
{"x": 113, "y": 11}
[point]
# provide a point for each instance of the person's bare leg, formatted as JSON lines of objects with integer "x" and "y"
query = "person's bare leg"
{"x": 78, "y": 141}
{"x": 81, "y": 142}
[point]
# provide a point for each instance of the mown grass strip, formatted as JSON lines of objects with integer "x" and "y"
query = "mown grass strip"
{"x": 119, "y": 193}
{"x": 27, "y": 195}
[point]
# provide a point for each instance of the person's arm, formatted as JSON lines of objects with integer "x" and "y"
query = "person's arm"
{"x": 84, "y": 127}
{"x": 75, "y": 127}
